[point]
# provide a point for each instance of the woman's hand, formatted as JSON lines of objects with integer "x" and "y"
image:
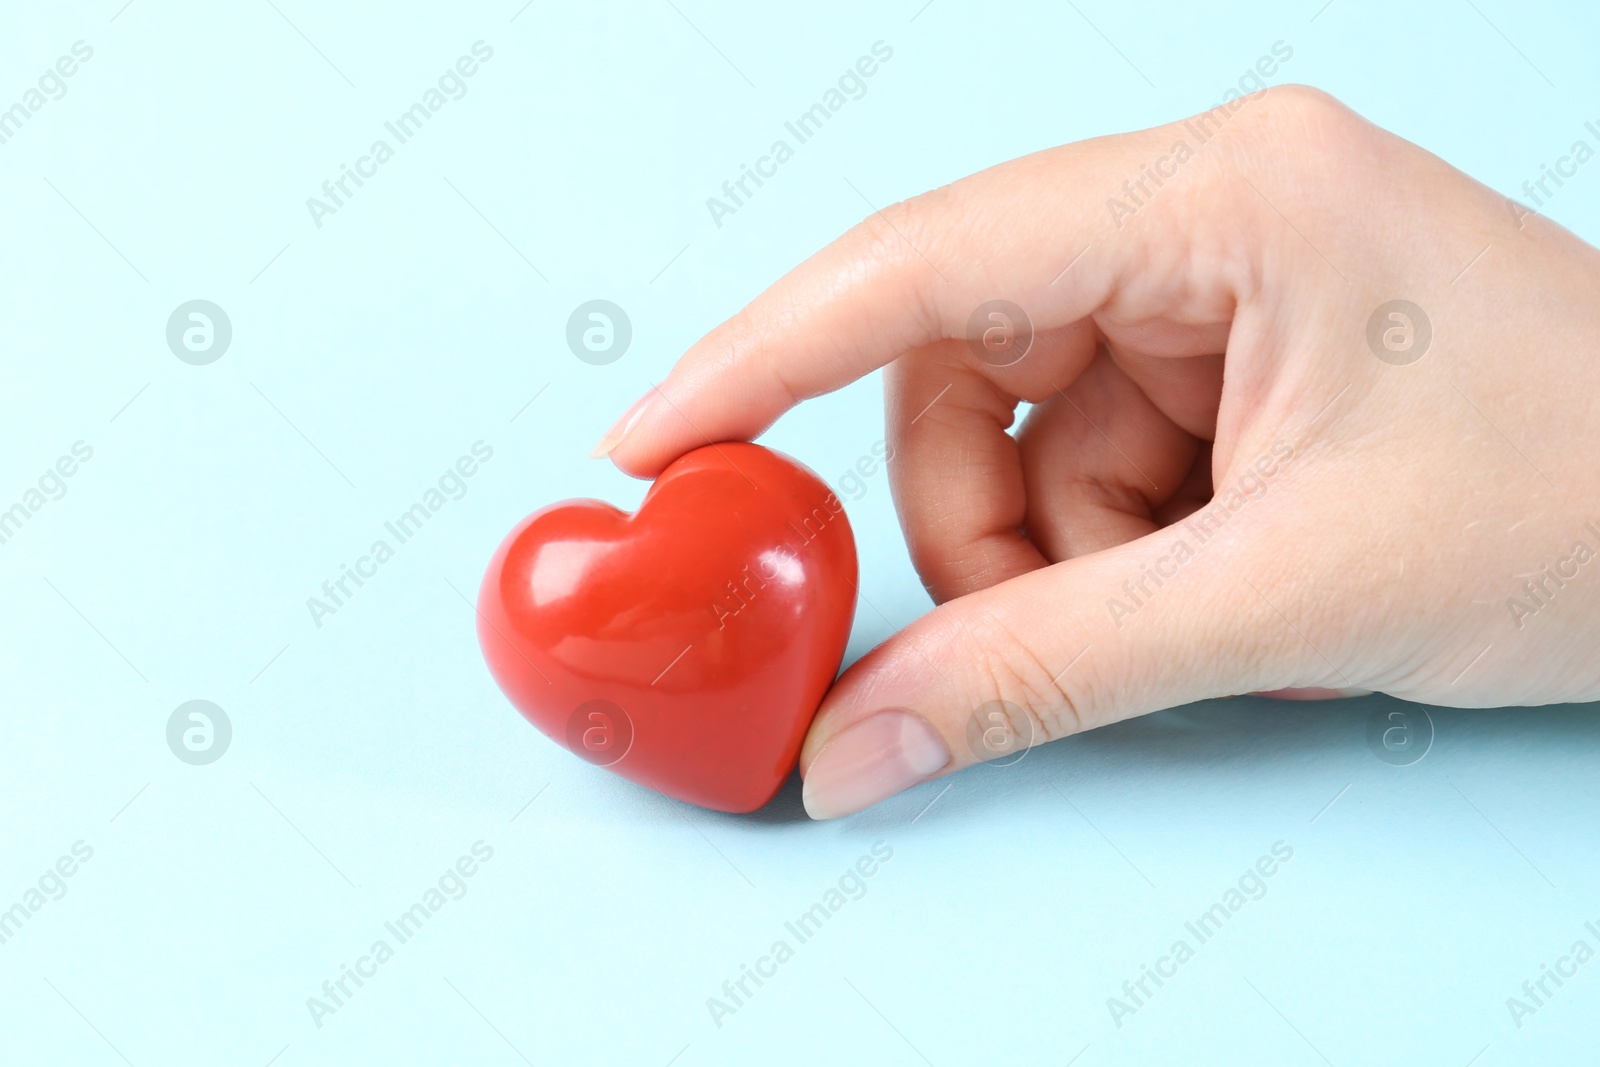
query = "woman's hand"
{"x": 1312, "y": 410}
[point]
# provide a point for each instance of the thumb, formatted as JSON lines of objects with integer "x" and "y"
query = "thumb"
{"x": 1163, "y": 620}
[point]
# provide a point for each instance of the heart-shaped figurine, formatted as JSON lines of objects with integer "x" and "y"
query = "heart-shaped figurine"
{"x": 687, "y": 646}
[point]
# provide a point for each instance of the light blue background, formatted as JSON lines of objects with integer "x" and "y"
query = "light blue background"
{"x": 371, "y": 753}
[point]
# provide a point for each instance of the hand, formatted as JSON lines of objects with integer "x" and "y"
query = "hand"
{"x": 1244, "y": 469}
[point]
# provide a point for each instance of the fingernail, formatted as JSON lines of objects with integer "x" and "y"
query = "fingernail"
{"x": 876, "y": 758}
{"x": 621, "y": 428}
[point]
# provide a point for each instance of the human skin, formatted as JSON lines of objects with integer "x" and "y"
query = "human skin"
{"x": 1174, "y": 349}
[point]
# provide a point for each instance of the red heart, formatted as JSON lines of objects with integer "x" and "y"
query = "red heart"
{"x": 687, "y": 646}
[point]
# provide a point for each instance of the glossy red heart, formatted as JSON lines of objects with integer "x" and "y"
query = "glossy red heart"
{"x": 686, "y": 646}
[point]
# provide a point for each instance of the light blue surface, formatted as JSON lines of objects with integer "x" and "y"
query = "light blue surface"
{"x": 372, "y": 752}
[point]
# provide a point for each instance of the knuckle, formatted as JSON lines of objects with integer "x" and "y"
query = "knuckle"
{"x": 883, "y": 235}
{"x": 1015, "y": 676}
{"x": 1276, "y": 150}
{"x": 1306, "y": 102}
{"x": 1304, "y": 127}
{"x": 914, "y": 220}
{"x": 908, "y": 231}
{"x": 899, "y": 244}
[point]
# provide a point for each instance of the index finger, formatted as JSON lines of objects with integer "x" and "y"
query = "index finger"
{"x": 1041, "y": 231}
